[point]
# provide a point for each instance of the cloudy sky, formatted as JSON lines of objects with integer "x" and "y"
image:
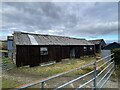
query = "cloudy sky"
{"x": 90, "y": 20}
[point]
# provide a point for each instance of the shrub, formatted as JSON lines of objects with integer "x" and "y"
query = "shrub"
{"x": 117, "y": 56}
{"x": 3, "y": 45}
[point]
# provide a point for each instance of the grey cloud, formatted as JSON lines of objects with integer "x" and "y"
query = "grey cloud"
{"x": 62, "y": 18}
{"x": 104, "y": 11}
{"x": 31, "y": 14}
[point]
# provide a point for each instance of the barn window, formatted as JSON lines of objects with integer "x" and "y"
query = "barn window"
{"x": 91, "y": 48}
{"x": 85, "y": 48}
{"x": 43, "y": 51}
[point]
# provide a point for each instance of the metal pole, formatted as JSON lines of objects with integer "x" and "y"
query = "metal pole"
{"x": 94, "y": 76}
{"x": 42, "y": 83}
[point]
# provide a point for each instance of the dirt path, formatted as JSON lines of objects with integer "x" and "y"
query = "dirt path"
{"x": 22, "y": 78}
{"x": 111, "y": 84}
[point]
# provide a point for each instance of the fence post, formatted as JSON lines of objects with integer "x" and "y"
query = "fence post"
{"x": 94, "y": 76}
{"x": 42, "y": 85}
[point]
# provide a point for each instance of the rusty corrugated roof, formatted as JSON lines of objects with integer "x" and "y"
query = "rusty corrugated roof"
{"x": 98, "y": 41}
{"x": 22, "y": 38}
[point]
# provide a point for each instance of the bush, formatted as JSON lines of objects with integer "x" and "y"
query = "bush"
{"x": 117, "y": 56}
{"x": 3, "y": 45}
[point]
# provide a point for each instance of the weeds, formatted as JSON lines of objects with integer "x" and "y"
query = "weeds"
{"x": 39, "y": 72}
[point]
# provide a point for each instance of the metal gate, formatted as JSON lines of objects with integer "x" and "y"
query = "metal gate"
{"x": 108, "y": 65}
{"x": 105, "y": 53}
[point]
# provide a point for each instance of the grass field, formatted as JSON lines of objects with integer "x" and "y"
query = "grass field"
{"x": 23, "y": 75}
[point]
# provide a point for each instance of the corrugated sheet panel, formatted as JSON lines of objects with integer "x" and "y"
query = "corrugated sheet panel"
{"x": 26, "y": 39}
{"x": 37, "y": 39}
{"x": 96, "y": 41}
{"x": 32, "y": 39}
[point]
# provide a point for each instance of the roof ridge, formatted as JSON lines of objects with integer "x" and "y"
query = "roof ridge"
{"x": 95, "y": 40}
{"x": 49, "y": 35}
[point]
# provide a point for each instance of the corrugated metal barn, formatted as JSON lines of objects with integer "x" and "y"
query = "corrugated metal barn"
{"x": 33, "y": 49}
{"x": 112, "y": 46}
{"x": 99, "y": 44}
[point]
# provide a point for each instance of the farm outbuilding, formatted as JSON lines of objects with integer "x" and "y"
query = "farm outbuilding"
{"x": 99, "y": 44}
{"x": 107, "y": 50}
{"x": 33, "y": 49}
{"x": 112, "y": 46}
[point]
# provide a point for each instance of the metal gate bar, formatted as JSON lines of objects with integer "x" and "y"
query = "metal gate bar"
{"x": 74, "y": 80}
{"x": 105, "y": 63}
{"x": 106, "y": 79}
{"x": 93, "y": 79}
{"x": 58, "y": 75}
{"x": 85, "y": 84}
{"x": 104, "y": 69}
{"x": 104, "y": 76}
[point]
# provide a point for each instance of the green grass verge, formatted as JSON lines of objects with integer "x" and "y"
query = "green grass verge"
{"x": 6, "y": 60}
{"x": 9, "y": 83}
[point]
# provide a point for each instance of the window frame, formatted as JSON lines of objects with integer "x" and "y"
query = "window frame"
{"x": 85, "y": 48}
{"x": 91, "y": 48}
{"x": 43, "y": 50}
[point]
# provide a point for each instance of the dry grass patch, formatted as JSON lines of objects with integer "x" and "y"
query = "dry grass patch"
{"x": 26, "y": 75}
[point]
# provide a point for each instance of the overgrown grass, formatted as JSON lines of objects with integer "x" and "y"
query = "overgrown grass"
{"x": 38, "y": 72}
{"x": 7, "y": 63}
{"x": 3, "y": 50}
{"x": 6, "y": 60}
{"x": 6, "y": 83}
{"x": 60, "y": 67}
{"x": 46, "y": 71}
{"x": 116, "y": 74}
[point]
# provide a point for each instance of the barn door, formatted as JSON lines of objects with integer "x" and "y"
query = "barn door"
{"x": 77, "y": 52}
{"x": 58, "y": 53}
{"x": 72, "y": 52}
{"x": 22, "y": 57}
{"x": 34, "y": 55}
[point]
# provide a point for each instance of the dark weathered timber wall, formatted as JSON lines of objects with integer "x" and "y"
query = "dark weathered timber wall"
{"x": 30, "y": 54}
{"x": 54, "y": 53}
{"x": 89, "y": 52}
{"x": 97, "y": 48}
{"x": 65, "y": 52}
{"x": 77, "y": 52}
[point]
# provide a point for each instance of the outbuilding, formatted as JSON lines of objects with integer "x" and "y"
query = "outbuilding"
{"x": 99, "y": 44}
{"x": 107, "y": 50}
{"x": 112, "y": 46}
{"x": 33, "y": 49}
